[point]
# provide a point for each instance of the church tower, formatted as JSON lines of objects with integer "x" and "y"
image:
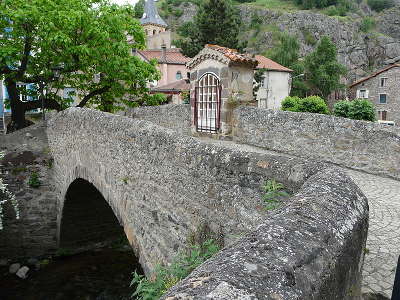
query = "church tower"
{"x": 157, "y": 35}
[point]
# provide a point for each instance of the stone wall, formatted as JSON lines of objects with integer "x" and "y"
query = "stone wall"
{"x": 162, "y": 186}
{"x": 360, "y": 145}
{"x": 35, "y": 232}
{"x": 176, "y": 117}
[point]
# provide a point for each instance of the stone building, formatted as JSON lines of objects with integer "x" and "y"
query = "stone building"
{"x": 171, "y": 62}
{"x": 154, "y": 27}
{"x": 275, "y": 85}
{"x": 382, "y": 88}
{"x": 220, "y": 78}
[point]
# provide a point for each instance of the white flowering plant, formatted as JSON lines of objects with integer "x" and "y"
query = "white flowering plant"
{"x": 6, "y": 196}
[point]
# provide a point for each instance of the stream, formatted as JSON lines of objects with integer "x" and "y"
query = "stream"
{"x": 101, "y": 274}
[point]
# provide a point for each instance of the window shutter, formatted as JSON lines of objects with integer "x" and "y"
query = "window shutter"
{"x": 366, "y": 94}
{"x": 358, "y": 94}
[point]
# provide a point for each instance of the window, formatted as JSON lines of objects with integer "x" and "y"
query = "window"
{"x": 382, "y": 98}
{"x": 383, "y": 82}
{"x": 362, "y": 94}
{"x": 382, "y": 115}
{"x": 178, "y": 75}
{"x": 262, "y": 82}
{"x": 154, "y": 32}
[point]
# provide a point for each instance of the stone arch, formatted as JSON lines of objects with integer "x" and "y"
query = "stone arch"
{"x": 86, "y": 217}
{"x": 98, "y": 177}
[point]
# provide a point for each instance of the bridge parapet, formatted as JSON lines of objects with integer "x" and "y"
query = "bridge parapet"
{"x": 361, "y": 145}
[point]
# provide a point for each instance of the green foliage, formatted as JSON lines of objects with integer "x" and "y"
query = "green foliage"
{"x": 359, "y": 109}
{"x": 273, "y": 193}
{"x": 186, "y": 97}
{"x": 312, "y": 104}
{"x": 80, "y": 39}
{"x": 139, "y": 9}
{"x": 167, "y": 276}
{"x": 323, "y": 71}
{"x": 216, "y": 22}
{"x": 379, "y": 5}
{"x": 286, "y": 52}
{"x": 34, "y": 180}
{"x": 335, "y": 7}
{"x": 155, "y": 99}
{"x": 367, "y": 24}
{"x": 309, "y": 37}
{"x": 342, "y": 109}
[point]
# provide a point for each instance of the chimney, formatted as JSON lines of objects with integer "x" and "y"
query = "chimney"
{"x": 164, "y": 52}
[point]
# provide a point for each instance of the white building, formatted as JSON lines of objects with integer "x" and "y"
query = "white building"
{"x": 276, "y": 83}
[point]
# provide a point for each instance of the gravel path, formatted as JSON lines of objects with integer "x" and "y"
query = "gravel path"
{"x": 383, "y": 242}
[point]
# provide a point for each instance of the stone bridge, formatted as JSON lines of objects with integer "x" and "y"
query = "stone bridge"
{"x": 162, "y": 186}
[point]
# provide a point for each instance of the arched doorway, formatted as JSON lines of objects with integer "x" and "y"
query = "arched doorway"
{"x": 87, "y": 218}
{"x": 207, "y": 104}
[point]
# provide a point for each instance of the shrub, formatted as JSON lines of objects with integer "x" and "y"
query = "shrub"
{"x": 312, "y": 104}
{"x": 379, "y": 5}
{"x": 342, "y": 109}
{"x": 367, "y": 24}
{"x": 362, "y": 109}
{"x": 167, "y": 276}
{"x": 359, "y": 109}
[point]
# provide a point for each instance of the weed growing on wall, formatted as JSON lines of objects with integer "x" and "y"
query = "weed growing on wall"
{"x": 34, "y": 180}
{"x": 6, "y": 196}
{"x": 273, "y": 194}
{"x": 166, "y": 277}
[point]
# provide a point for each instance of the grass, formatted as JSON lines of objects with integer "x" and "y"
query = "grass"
{"x": 280, "y": 5}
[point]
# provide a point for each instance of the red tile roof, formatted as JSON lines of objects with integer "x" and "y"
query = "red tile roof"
{"x": 374, "y": 74}
{"x": 234, "y": 55}
{"x": 176, "y": 86}
{"x": 172, "y": 56}
{"x": 269, "y": 64}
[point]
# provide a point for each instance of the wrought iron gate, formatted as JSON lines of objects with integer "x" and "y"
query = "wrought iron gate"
{"x": 207, "y": 106}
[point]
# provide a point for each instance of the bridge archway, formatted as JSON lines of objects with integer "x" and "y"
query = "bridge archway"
{"x": 87, "y": 218}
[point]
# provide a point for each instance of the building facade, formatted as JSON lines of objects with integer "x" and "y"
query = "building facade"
{"x": 220, "y": 79}
{"x": 383, "y": 90}
{"x": 275, "y": 85}
{"x": 171, "y": 61}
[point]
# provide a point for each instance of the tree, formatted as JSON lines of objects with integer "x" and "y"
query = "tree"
{"x": 139, "y": 9}
{"x": 286, "y": 53}
{"x": 54, "y": 44}
{"x": 322, "y": 70}
{"x": 216, "y": 22}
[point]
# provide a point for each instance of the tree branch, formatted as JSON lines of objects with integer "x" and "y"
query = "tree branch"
{"x": 92, "y": 94}
{"x": 49, "y": 103}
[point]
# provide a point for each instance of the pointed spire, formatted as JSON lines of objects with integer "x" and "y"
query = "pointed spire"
{"x": 151, "y": 16}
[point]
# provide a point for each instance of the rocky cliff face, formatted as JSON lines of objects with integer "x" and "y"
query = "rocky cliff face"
{"x": 361, "y": 52}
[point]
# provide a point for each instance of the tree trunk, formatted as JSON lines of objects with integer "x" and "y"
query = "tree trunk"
{"x": 18, "y": 120}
